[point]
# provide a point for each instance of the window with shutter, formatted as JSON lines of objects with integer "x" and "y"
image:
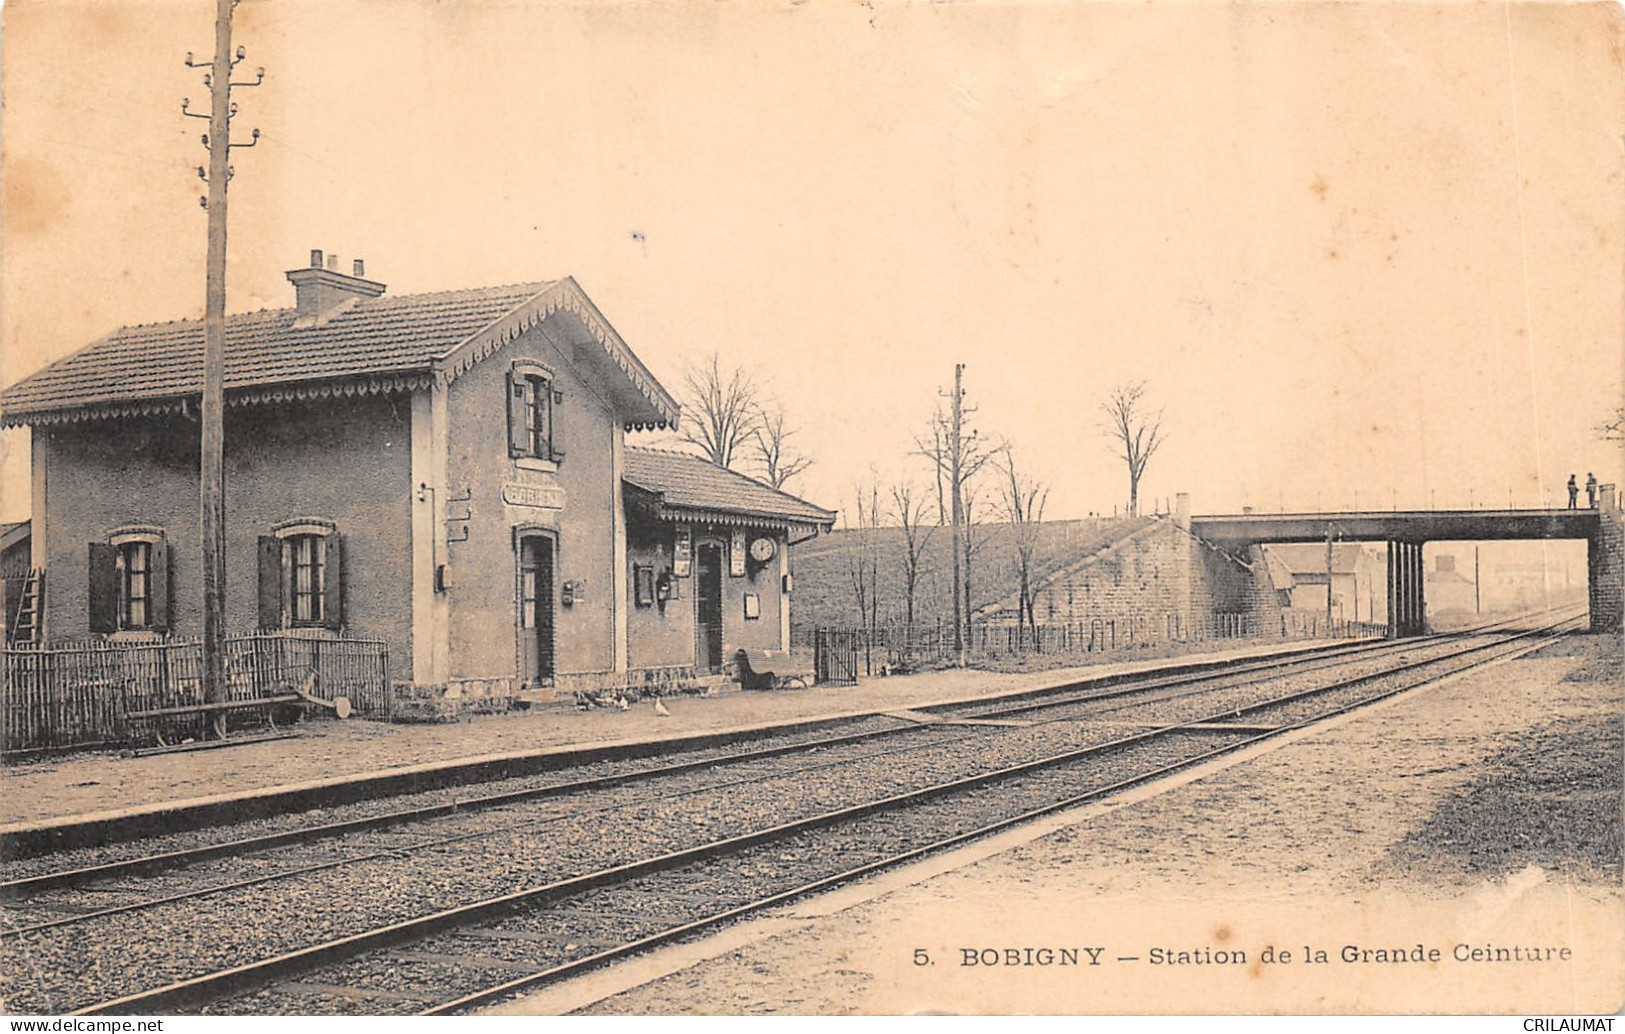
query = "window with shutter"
{"x": 555, "y": 441}
{"x": 103, "y": 587}
{"x": 301, "y": 575}
{"x": 518, "y": 415}
{"x": 159, "y": 575}
{"x": 532, "y": 427}
{"x": 333, "y": 584}
{"x": 130, "y": 581}
{"x": 270, "y": 587}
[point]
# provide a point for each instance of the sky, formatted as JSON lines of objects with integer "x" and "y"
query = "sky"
{"x": 1363, "y": 255}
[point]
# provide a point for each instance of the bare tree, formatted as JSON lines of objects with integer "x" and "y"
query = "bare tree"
{"x": 1613, "y": 429}
{"x": 863, "y": 557}
{"x": 1134, "y": 431}
{"x": 975, "y": 516}
{"x": 957, "y": 453}
{"x": 1024, "y": 499}
{"x": 720, "y": 409}
{"x": 776, "y": 459}
{"x": 911, "y": 514}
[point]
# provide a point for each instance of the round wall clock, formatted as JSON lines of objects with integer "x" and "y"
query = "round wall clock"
{"x": 761, "y": 550}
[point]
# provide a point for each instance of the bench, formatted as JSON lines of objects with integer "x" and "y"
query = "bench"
{"x": 230, "y": 705}
{"x": 759, "y": 669}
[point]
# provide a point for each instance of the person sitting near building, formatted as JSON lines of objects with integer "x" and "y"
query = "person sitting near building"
{"x": 1574, "y": 492}
{"x": 1591, "y": 490}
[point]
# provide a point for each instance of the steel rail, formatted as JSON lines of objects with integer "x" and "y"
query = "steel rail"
{"x": 439, "y": 810}
{"x": 400, "y": 850}
{"x": 25, "y": 886}
{"x": 616, "y": 953}
{"x": 265, "y": 971}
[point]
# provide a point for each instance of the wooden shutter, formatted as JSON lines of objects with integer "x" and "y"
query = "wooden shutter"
{"x": 158, "y": 586}
{"x": 518, "y": 406}
{"x": 333, "y": 584}
{"x": 270, "y": 563}
{"x": 103, "y": 587}
{"x": 555, "y": 431}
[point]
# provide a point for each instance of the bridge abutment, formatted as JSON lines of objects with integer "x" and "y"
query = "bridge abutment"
{"x": 1605, "y": 568}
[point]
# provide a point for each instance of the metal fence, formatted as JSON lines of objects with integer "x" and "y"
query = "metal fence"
{"x": 86, "y": 693}
{"x": 835, "y": 656}
{"x": 899, "y": 648}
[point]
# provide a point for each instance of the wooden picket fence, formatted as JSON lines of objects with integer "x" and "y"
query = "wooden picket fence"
{"x": 84, "y": 693}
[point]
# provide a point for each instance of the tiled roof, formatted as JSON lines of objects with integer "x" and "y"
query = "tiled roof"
{"x": 376, "y": 337}
{"x": 385, "y": 343}
{"x": 691, "y": 483}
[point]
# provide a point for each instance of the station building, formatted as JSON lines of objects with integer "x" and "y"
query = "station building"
{"x": 449, "y": 473}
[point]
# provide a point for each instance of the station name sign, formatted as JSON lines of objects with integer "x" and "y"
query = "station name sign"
{"x": 545, "y": 497}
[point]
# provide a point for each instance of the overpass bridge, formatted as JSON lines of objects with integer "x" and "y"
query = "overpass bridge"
{"x": 1405, "y": 532}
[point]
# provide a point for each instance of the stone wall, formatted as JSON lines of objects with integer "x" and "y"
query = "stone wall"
{"x": 1158, "y": 583}
{"x": 1605, "y": 563}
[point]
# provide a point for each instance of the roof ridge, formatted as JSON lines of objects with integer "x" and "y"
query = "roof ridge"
{"x": 384, "y": 299}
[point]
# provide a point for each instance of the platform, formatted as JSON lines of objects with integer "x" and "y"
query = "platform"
{"x": 333, "y": 761}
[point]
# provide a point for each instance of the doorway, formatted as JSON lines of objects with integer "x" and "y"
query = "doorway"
{"x": 708, "y": 608}
{"x": 536, "y": 610}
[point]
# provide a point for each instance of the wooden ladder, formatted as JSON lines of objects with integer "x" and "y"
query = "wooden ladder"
{"x": 25, "y": 629}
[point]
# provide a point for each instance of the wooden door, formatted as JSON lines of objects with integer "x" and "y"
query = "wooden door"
{"x": 536, "y": 610}
{"x": 708, "y": 608}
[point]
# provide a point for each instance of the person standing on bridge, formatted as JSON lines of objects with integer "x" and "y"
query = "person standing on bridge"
{"x": 1574, "y": 492}
{"x": 1591, "y": 490}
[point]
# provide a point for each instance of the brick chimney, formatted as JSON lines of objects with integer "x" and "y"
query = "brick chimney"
{"x": 324, "y": 292}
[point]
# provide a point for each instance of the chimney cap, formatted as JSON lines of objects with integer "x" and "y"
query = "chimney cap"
{"x": 358, "y": 268}
{"x": 315, "y": 258}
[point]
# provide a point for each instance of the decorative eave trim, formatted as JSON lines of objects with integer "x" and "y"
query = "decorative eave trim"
{"x": 567, "y": 295}
{"x": 259, "y": 395}
{"x": 734, "y": 518}
{"x": 385, "y": 384}
{"x": 47, "y": 417}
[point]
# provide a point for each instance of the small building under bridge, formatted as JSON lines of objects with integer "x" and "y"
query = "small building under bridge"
{"x": 447, "y": 473}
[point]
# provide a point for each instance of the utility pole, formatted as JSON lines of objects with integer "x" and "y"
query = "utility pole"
{"x": 1478, "y": 600}
{"x": 211, "y": 459}
{"x": 956, "y": 458}
{"x": 1328, "y": 581}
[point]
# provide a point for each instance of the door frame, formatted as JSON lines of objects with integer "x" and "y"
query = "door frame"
{"x": 714, "y": 543}
{"x": 551, "y": 536}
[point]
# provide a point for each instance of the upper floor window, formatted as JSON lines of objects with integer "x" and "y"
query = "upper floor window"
{"x": 301, "y": 579}
{"x": 533, "y": 430}
{"x": 129, "y": 582}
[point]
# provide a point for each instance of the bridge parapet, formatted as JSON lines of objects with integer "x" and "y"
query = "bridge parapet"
{"x": 1415, "y": 526}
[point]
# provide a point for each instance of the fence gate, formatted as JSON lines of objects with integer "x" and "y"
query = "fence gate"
{"x": 835, "y": 657}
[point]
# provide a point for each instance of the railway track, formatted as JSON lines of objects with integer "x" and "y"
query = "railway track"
{"x": 1051, "y": 755}
{"x": 155, "y": 855}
